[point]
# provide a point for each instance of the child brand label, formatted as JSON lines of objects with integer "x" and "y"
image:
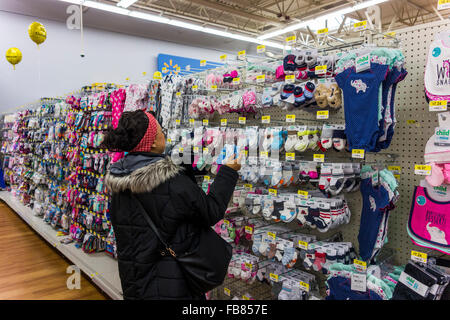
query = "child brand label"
{"x": 442, "y": 137}
{"x": 440, "y": 105}
{"x": 359, "y": 282}
{"x": 414, "y": 284}
{"x": 419, "y": 256}
{"x": 423, "y": 170}
{"x": 363, "y": 63}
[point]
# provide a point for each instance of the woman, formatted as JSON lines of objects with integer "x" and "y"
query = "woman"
{"x": 176, "y": 204}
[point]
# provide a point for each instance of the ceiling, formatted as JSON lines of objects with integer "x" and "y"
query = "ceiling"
{"x": 248, "y": 17}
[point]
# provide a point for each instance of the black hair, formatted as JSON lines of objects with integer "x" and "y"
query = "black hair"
{"x": 130, "y": 131}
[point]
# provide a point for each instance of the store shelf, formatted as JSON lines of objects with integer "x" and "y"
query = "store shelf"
{"x": 102, "y": 269}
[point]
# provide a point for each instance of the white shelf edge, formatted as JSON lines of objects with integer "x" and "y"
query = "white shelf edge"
{"x": 86, "y": 262}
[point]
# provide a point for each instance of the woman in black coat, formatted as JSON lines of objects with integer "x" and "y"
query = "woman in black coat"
{"x": 176, "y": 204}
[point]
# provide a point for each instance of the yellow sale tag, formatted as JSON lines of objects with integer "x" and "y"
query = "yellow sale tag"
{"x": 248, "y": 229}
{"x": 261, "y": 78}
{"x": 273, "y": 277}
{"x": 358, "y": 153}
{"x": 290, "y": 118}
{"x": 236, "y": 80}
{"x": 358, "y": 26}
{"x": 419, "y": 256}
{"x": 223, "y": 58}
{"x": 290, "y": 78}
{"x": 223, "y": 122}
{"x": 202, "y": 63}
{"x": 360, "y": 265}
{"x": 319, "y": 70}
{"x": 323, "y": 114}
{"x": 265, "y": 119}
{"x": 290, "y": 156}
{"x": 424, "y": 170}
{"x": 206, "y": 178}
{"x": 303, "y": 245}
{"x": 304, "y": 286}
{"x": 291, "y": 40}
{"x": 272, "y": 235}
{"x": 195, "y": 88}
{"x": 319, "y": 157}
{"x": 322, "y": 31}
{"x": 214, "y": 88}
{"x": 261, "y": 48}
{"x": 242, "y": 120}
{"x": 303, "y": 194}
{"x": 273, "y": 192}
{"x": 227, "y": 292}
{"x": 440, "y": 105}
{"x": 264, "y": 154}
{"x": 205, "y": 122}
{"x": 241, "y": 54}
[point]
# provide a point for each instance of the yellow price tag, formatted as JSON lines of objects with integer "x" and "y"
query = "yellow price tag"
{"x": 303, "y": 245}
{"x": 290, "y": 118}
{"x": 226, "y": 222}
{"x": 323, "y": 31}
{"x": 290, "y": 78}
{"x": 320, "y": 70}
{"x": 191, "y": 121}
{"x": 177, "y": 121}
{"x": 358, "y": 153}
{"x": 205, "y": 122}
{"x": 202, "y": 63}
{"x": 181, "y": 149}
{"x": 241, "y": 54}
{"x": 272, "y": 235}
{"x": 273, "y": 192}
{"x": 195, "y": 149}
{"x": 214, "y": 88}
{"x": 360, "y": 265}
{"x": 227, "y": 292}
{"x": 419, "y": 256}
{"x": 440, "y": 105}
{"x": 223, "y": 58}
{"x": 245, "y": 297}
{"x": 248, "y": 229}
{"x": 157, "y": 75}
{"x": 323, "y": 114}
{"x": 261, "y": 48}
{"x": 242, "y": 120}
{"x": 205, "y": 150}
{"x": 144, "y": 73}
{"x": 207, "y": 178}
{"x": 195, "y": 88}
{"x": 304, "y": 286}
{"x": 443, "y": 4}
{"x": 291, "y": 40}
{"x": 223, "y": 122}
{"x": 303, "y": 194}
{"x": 273, "y": 277}
{"x": 424, "y": 170}
{"x": 261, "y": 78}
{"x": 318, "y": 157}
{"x": 178, "y": 94}
{"x": 265, "y": 119}
{"x": 358, "y": 26}
{"x": 236, "y": 80}
{"x": 395, "y": 168}
{"x": 290, "y": 156}
{"x": 264, "y": 154}
{"x": 127, "y": 79}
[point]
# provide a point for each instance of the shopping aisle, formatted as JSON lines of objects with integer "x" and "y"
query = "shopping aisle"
{"x": 30, "y": 268}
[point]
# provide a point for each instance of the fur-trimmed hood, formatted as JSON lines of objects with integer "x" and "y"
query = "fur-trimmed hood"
{"x": 140, "y": 173}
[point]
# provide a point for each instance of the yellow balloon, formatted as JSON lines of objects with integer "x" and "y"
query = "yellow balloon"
{"x": 37, "y": 32}
{"x": 14, "y": 56}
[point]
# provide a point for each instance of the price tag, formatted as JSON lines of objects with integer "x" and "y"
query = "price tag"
{"x": 245, "y": 297}
{"x": 320, "y": 70}
{"x": 443, "y": 4}
{"x": 205, "y": 122}
{"x": 178, "y": 94}
{"x": 323, "y": 114}
{"x": 195, "y": 88}
{"x": 157, "y": 75}
{"x": 290, "y": 118}
{"x": 248, "y": 229}
{"x": 128, "y": 79}
{"x": 290, "y": 78}
{"x": 241, "y": 54}
{"x": 273, "y": 277}
{"x": 322, "y": 32}
{"x": 273, "y": 192}
{"x": 202, "y": 63}
{"x": 423, "y": 170}
{"x": 390, "y": 34}
{"x": 290, "y": 156}
{"x": 223, "y": 58}
{"x": 319, "y": 158}
{"x": 359, "y": 282}
{"x": 440, "y": 105}
{"x": 261, "y": 48}
{"x": 291, "y": 40}
{"x": 419, "y": 256}
{"x": 303, "y": 245}
{"x": 272, "y": 235}
{"x": 264, "y": 154}
{"x": 248, "y": 186}
{"x": 304, "y": 286}
{"x": 236, "y": 81}
{"x": 261, "y": 78}
{"x": 227, "y": 292}
{"x": 265, "y": 119}
{"x": 303, "y": 194}
{"x": 191, "y": 122}
{"x": 205, "y": 150}
{"x": 214, "y": 88}
{"x": 177, "y": 121}
{"x": 360, "y": 265}
{"x": 411, "y": 121}
{"x": 195, "y": 149}
{"x": 395, "y": 169}
{"x": 248, "y": 265}
{"x": 181, "y": 149}
{"x": 242, "y": 120}
{"x": 358, "y": 26}
{"x": 223, "y": 122}
{"x": 164, "y": 70}
{"x": 358, "y": 153}
{"x": 226, "y": 222}
{"x": 206, "y": 178}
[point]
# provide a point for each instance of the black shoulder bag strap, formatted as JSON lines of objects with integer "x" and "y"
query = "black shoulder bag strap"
{"x": 152, "y": 225}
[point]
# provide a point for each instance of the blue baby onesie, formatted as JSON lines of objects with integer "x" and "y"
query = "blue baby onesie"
{"x": 361, "y": 102}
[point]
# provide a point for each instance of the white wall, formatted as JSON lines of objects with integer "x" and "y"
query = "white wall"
{"x": 57, "y": 68}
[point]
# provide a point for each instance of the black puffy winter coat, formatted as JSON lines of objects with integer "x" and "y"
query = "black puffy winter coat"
{"x": 178, "y": 207}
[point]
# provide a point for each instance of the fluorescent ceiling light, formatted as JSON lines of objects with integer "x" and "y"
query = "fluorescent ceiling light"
{"x": 126, "y": 3}
{"x": 174, "y": 22}
{"x": 321, "y": 19}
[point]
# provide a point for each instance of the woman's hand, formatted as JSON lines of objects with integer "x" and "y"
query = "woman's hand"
{"x": 233, "y": 162}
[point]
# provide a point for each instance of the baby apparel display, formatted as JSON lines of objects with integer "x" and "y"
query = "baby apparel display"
{"x": 437, "y": 70}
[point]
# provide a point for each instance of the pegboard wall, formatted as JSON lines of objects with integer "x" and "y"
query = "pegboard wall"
{"x": 406, "y": 150}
